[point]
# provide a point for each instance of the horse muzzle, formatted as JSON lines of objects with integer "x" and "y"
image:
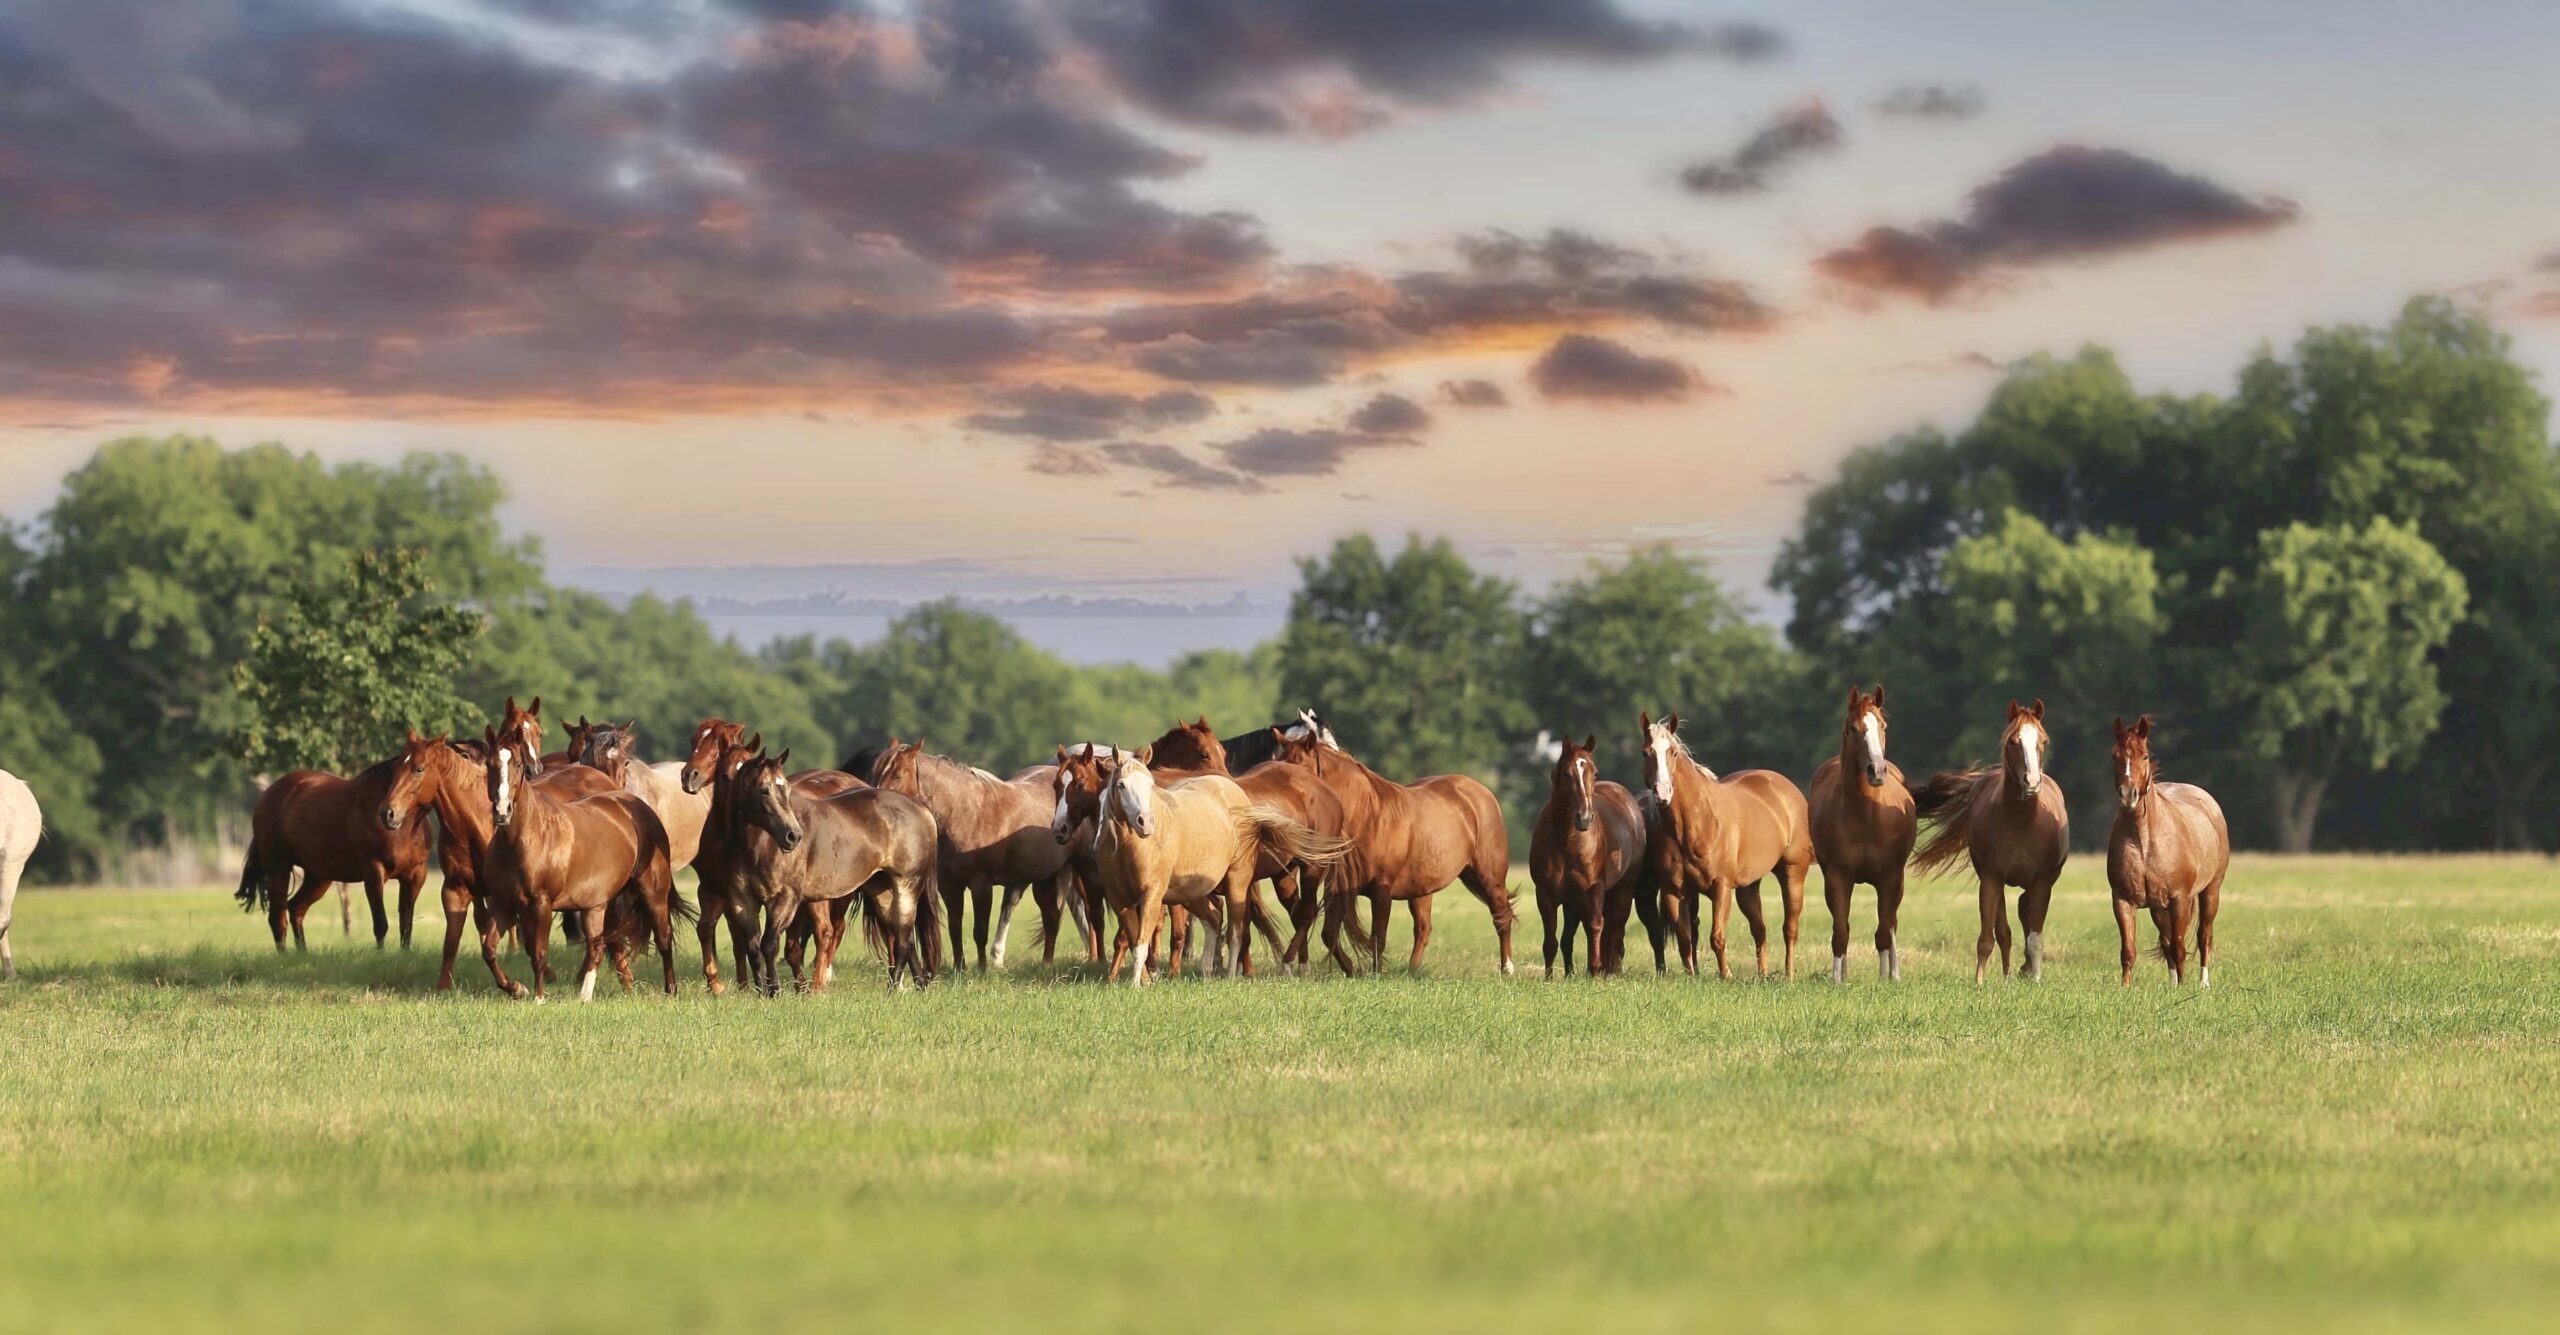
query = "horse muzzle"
{"x": 1582, "y": 821}
{"x": 390, "y": 819}
{"x": 1875, "y": 778}
{"x": 691, "y": 778}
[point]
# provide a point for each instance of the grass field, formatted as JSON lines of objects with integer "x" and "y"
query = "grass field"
{"x": 2355, "y": 1129}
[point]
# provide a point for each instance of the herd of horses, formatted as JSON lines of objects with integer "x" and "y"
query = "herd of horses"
{"x": 1185, "y": 832}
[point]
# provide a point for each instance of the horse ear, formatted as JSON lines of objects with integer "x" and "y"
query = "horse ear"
{"x": 414, "y": 738}
{"x": 1674, "y": 721}
{"x": 634, "y": 723}
{"x": 489, "y": 735}
{"x": 536, "y": 707}
{"x": 755, "y": 744}
{"x": 783, "y": 761}
{"x": 2014, "y": 711}
{"x": 1644, "y": 720}
{"x": 2037, "y": 709}
{"x": 2120, "y": 728}
{"x": 1856, "y": 697}
{"x": 2142, "y": 727}
{"x": 1879, "y": 696}
{"x": 1062, "y": 754}
{"x": 1146, "y": 755}
{"x": 1590, "y": 741}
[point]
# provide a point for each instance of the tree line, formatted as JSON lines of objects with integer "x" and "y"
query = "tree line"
{"x": 2331, "y": 586}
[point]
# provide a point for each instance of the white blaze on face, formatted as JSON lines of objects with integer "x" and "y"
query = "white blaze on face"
{"x": 1058, "y": 822}
{"x": 1658, "y": 745}
{"x": 1874, "y": 726}
{"x": 2031, "y": 741}
{"x": 505, "y": 805}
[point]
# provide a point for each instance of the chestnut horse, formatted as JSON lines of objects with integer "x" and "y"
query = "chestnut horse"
{"x": 2168, "y": 852}
{"x": 548, "y": 854}
{"x": 719, "y": 747}
{"x": 799, "y": 852}
{"x": 1586, "y": 854}
{"x": 459, "y": 794}
{"x": 1197, "y": 842}
{"x": 1863, "y": 825}
{"x": 2011, "y": 819}
{"x": 1719, "y": 837}
{"x": 610, "y": 747}
{"x": 365, "y": 829}
{"x": 994, "y": 831}
{"x": 1408, "y": 842}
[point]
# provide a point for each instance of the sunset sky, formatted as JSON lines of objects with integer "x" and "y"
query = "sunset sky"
{"x": 1141, "y": 298}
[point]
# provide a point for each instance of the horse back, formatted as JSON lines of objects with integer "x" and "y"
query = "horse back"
{"x": 1310, "y": 801}
{"x": 1772, "y": 823}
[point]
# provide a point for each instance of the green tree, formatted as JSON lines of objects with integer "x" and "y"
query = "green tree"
{"x": 1412, "y": 660}
{"x": 2336, "y": 666}
{"x": 352, "y": 659}
{"x": 1657, "y": 632}
{"x": 965, "y": 682}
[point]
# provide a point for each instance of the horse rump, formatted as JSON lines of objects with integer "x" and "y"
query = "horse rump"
{"x": 1948, "y": 799}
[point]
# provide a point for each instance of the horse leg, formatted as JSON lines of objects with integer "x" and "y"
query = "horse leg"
{"x": 983, "y": 894}
{"x": 373, "y": 901}
{"x": 778, "y": 919}
{"x": 1995, "y": 927}
{"x": 593, "y": 962}
{"x": 1837, "y": 891}
{"x": 2173, "y": 937}
{"x": 1888, "y": 930}
{"x": 822, "y": 926}
{"x": 1150, "y": 917}
{"x": 1723, "y": 894}
{"x": 312, "y": 891}
{"x": 1573, "y": 919}
{"x": 2208, "y": 903}
{"x": 1381, "y": 912}
{"x": 538, "y": 930}
{"x": 1791, "y": 879}
{"x": 457, "y": 906}
{"x": 706, "y": 934}
{"x": 955, "y": 904}
{"x": 1337, "y": 908}
{"x": 2124, "y": 929}
{"x": 490, "y": 932}
{"x": 743, "y": 934}
{"x": 1748, "y": 896}
{"x": 1004, "y": 922}
{"x": 279, "y": 902}
{"x": 409, "y": 887}
{"x": 1496, "y": 898}
{"x": 1648, "y": 907}
{"x": 1123, "y": 944}
{"x": 1675, "y": 923}
{"x": 1049, "y": 899}
{"x": 1263, "y": 923}
{"x": 2032, "y": 903}
{"x": 1548, "y": 910}
{"x": 1421, "y": 907}
{"x": 346, "y": 912}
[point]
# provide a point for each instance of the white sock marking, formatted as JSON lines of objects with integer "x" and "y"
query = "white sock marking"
{"x": 1839, "y": 968}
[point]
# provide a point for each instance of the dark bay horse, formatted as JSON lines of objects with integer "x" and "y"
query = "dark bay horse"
{"x": 585, "y": 855}
{"x": 798, "y": 852}
{"x": 367, "y": 828}
{"x": 994, "y": 831}
{"x": 1719, "y": 837}
{"x": 1261, "y": 746}
{"x": 1408, "y": 842}
{"x": 1586, "y": 855}
{"x": 717, "y": 748}
{"x": 1864, "y": 822}
{"x": 2167, "y": 852}
{"x": 2011, "y": 820}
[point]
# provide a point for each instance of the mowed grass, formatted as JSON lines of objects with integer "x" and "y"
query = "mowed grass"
{"x": 2353, "y": 1130}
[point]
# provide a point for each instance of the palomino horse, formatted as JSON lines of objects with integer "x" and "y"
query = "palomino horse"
{"x": 548, "y": 854}
{"x": 1262, "y": 746}
{"x": 1193, "y": 842}
{"x": 994, "y": 831}
{"x": 1586, "y": 854}
{"x": 1718, "y": 837}
{"x": 2013, "y": 822}
{"x": 2168, "y": 853}
{"x": 1409, "y": 841}
{"x": 458, "y": 792}
{"x": 796, "y": 852}
{"x": 609, "y": 747}
{"x": 21, "y": 824}
{"x": 718, "y": 748}
{"x": 1082, "y": 773}
{"x": 333, "y": 829}
{"x": 1863, "y": 825}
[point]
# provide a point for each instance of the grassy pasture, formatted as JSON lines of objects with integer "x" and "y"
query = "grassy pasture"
{"x": 2355, "y": 1129}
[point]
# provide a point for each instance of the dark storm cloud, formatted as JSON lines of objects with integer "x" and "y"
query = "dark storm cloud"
{"x": 1066, "y": 412}
{"x": 1796, "y": 132}
{"x": 1932, "y": 101}
{"x": 1174, "y": 468}
{"x": 1391, "y": 414}
{"x": 2066, "y": 203}
{"x": 1334, "y": 67}
{"x": 1586, "y": 366}
{"x": 1473, "y": 394}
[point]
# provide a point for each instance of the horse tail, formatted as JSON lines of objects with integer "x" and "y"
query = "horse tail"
{"x": 929, "y": 924}
{"x": 679, "y": 908}
{"x": 1947, "y": 799}
{"x": 253, "y": 878}
{"x": 1262, "y": 827}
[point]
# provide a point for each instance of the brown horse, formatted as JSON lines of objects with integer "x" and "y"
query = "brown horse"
{"x": 522, "y": 727}
{"x": 1409, "y": 841}
{"x": 2168, "y": 853}
{"x": 1586, "y": 854}
{"x": 799, "y": 852}
{"x": 548, "y": 854}
{"x": 1863, "y": 825}
{"x": 1718, "y": 837}
{"x": 994, "y": 831}
{"x": 1194, "y": 842}
{"x": 459, "y": 794}
{"x": 719, "y": 747}
{"x": 2012, "y": 820}
{"x": 366, "y": 828}
{"x": 612, "y": 748}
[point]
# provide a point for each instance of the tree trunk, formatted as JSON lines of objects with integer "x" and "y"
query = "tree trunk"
{"x": 2297, "y": 803}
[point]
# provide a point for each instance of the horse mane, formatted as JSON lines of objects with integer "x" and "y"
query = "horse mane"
{"x": 1680, "y": 749}
{"x": 1949, "y": 798}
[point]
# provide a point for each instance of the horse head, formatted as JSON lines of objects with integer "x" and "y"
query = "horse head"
{"x": 413, "y": 779}
{"x": 900, "y": 768}
{"x": 1128, "y": 793}
{"x": 1298, "y": 746}
{"x": 1312, "y": 725}
{"x": 1576, "y": 779}
{"x": 764, "y": 800}
{"x": 523, "y": 729}
{"x": 712, "y": 738}
{"x": 2135, "y": 771}
{"x": 1078, "y": 786}
{"x": 1862, "y": 736}
{"x": 1192, "y": 746}
{"x": 503, "y": 772}
{"x": 1661, "y": 739}
{"x": 2023, "y": 745}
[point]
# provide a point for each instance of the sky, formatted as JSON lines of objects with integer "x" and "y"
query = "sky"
{"x": 1101, "y": 312}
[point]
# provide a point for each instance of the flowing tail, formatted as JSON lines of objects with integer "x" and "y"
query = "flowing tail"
{"x": 1948, "y": 799}
{"x": 1262, "y": 827}
{"x": 253, "y": 878}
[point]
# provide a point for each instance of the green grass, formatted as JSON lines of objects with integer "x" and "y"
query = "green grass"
{"x": 2355, "y": 1129}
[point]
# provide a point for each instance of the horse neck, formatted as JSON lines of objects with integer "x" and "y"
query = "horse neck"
{"x": 1697, "y": 797}
{"x": 462, "y": 819}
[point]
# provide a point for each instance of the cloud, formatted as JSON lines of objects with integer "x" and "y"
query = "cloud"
{"x": 1173, "y": 468}
{"x": 1798, "y": 131}
{"x": 1391, "y": 414}
{"x": 1066, "y": 412}
{"x": 1329, "y": 67}
{"x": 1588, "y": 367}
{"x": 2066, "y": 203}
{"x": 1279, "y": 451}
{"x": 1932, "y": 101}
{"x": 1068, "y": 461}
{"x": 1473, "y": 394}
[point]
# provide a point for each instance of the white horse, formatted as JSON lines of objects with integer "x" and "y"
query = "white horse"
{"x": 21, "y": 824}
